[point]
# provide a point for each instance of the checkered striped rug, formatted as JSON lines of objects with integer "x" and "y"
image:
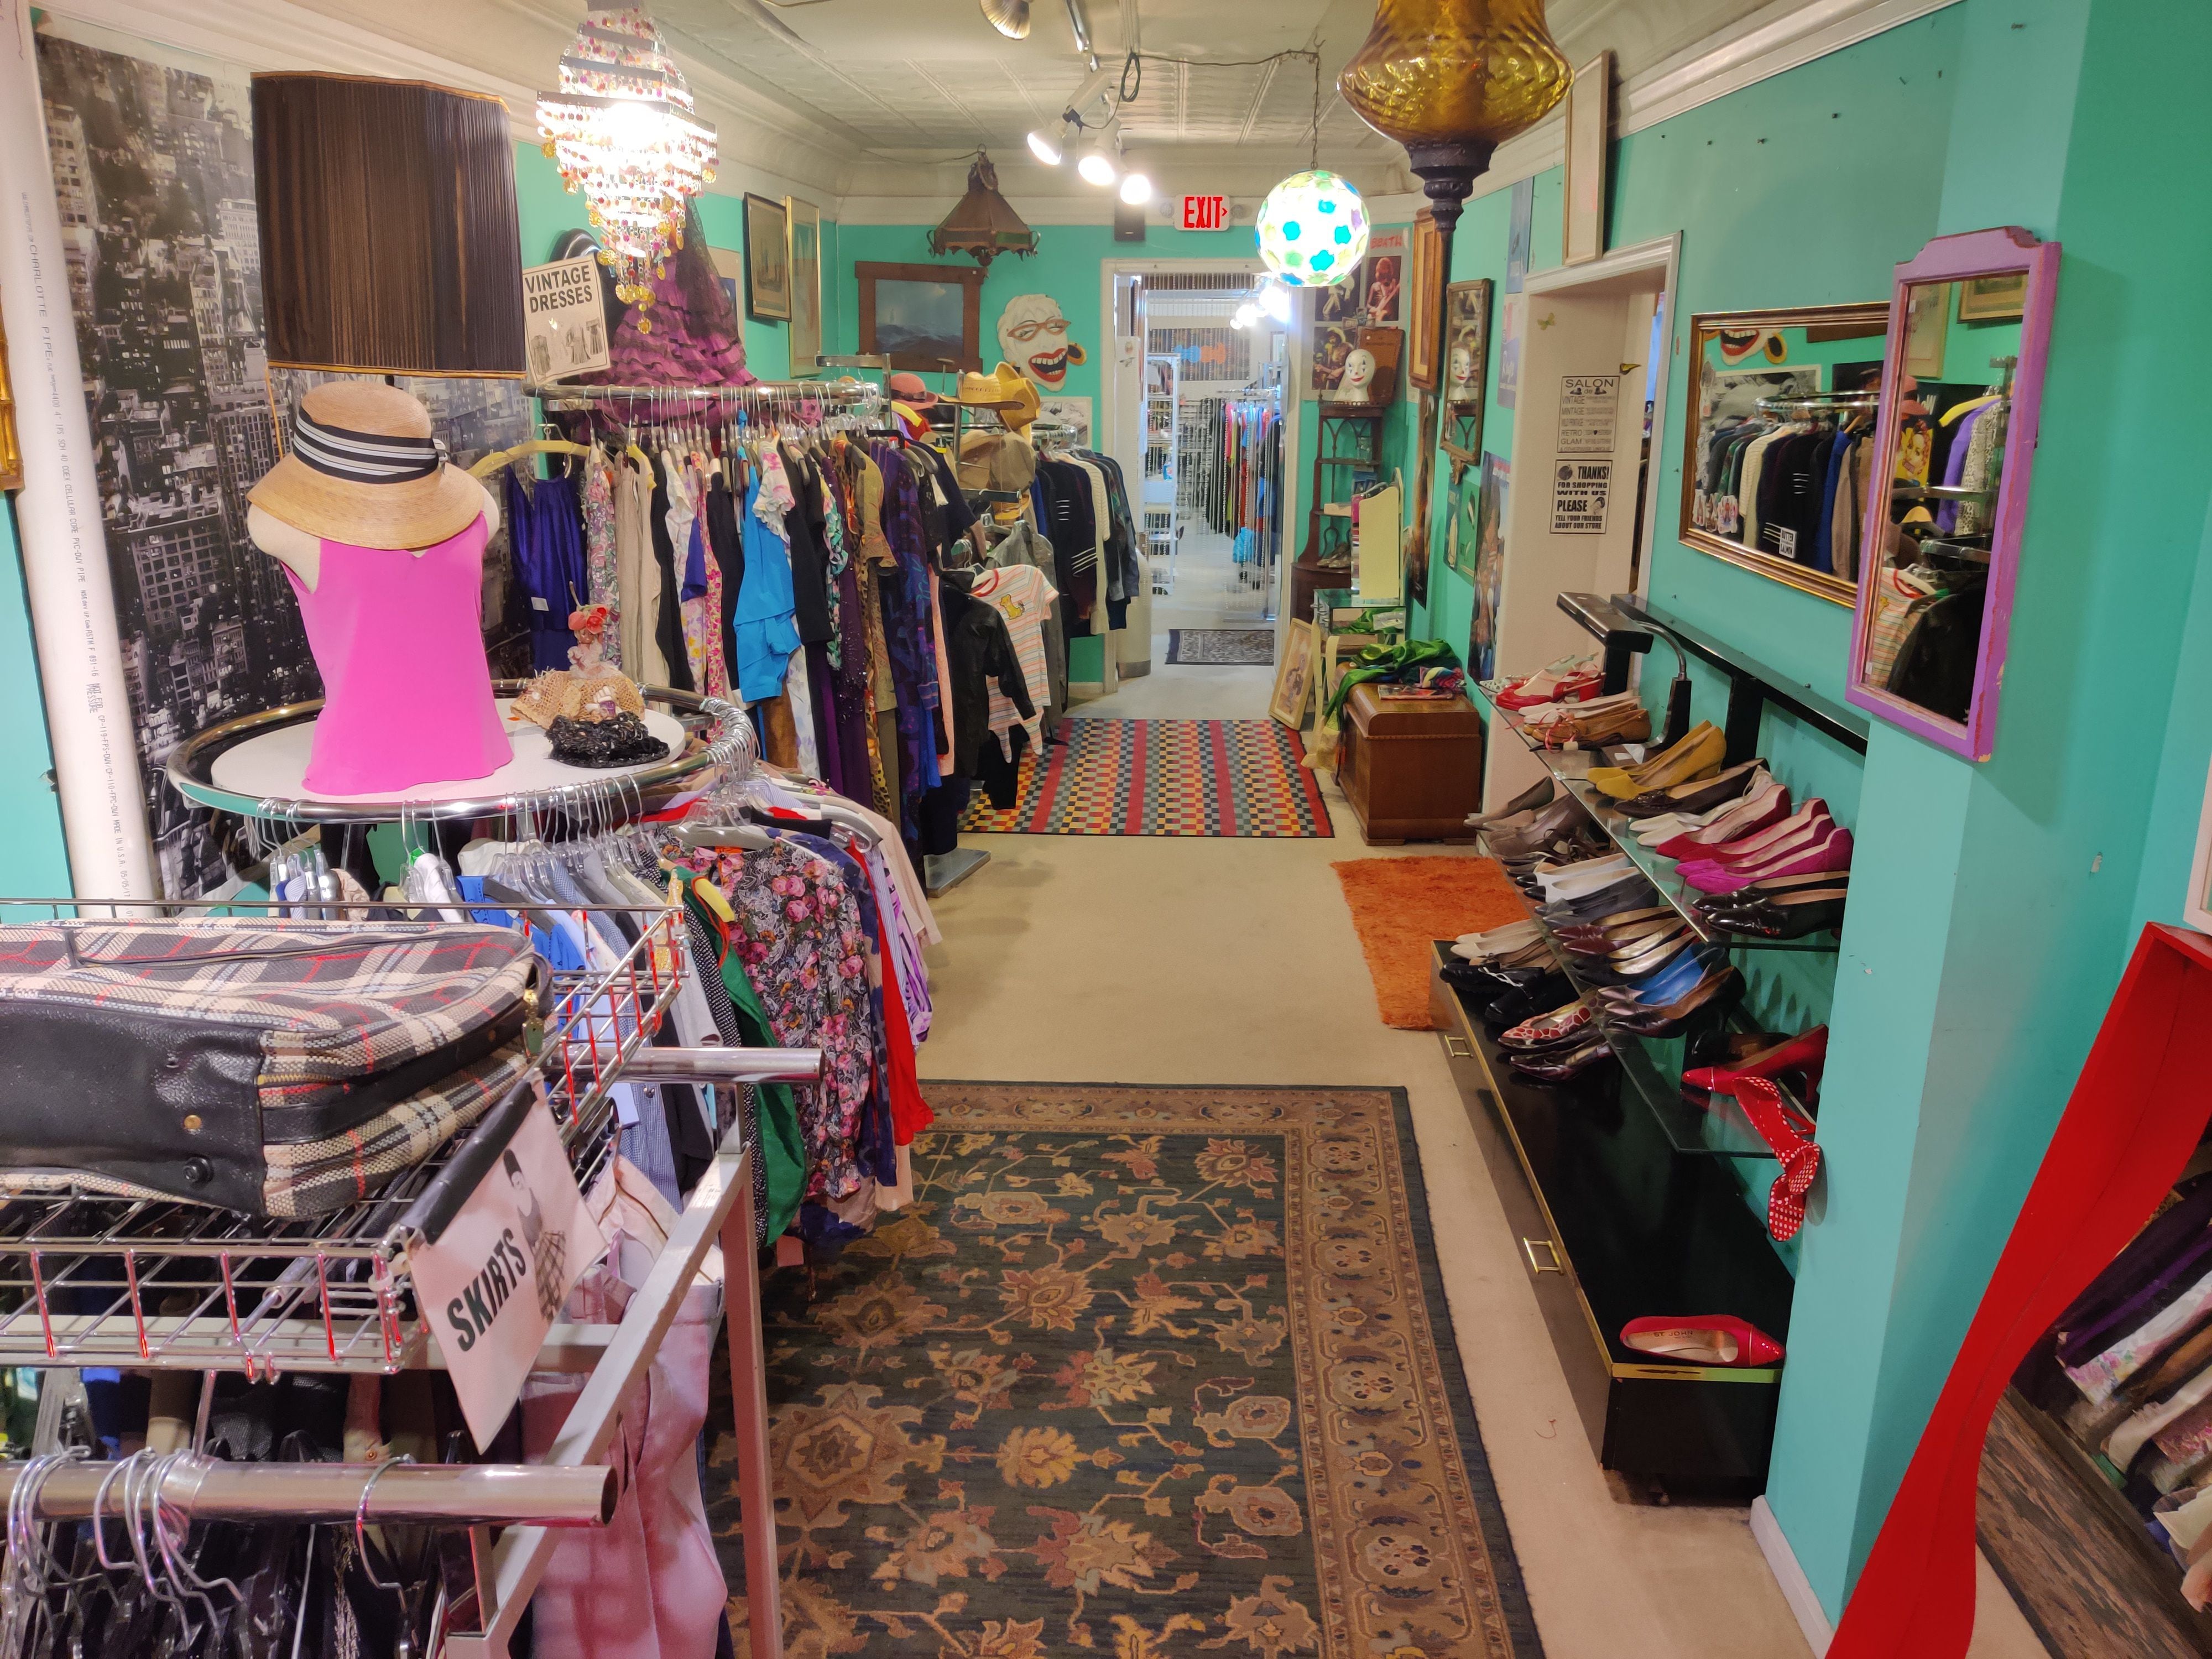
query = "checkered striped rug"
{"x": 1163, "y": 778}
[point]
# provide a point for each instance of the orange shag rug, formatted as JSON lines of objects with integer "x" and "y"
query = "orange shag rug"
{"x": 1400, "y": 906}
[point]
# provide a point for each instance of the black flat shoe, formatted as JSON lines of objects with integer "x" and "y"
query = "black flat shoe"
{"x": 1540, "y": 997}
{"x": 1698, "y": 795}
{"x": 1486, "y": 983}
{"x": 1784, "y": 915}
{"x": 1559, "y": 1068}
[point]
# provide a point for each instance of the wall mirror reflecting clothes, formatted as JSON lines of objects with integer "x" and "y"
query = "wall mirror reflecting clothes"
{"x": 1962, "y": 388}
{"x": 1778, "y": 423}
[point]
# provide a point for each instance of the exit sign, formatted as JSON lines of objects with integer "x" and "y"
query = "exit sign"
{"x": 1205, "y": 213}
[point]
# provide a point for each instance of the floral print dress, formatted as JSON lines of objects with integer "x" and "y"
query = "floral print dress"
{"x": 797, "y": 933}
{"x": 601, "y": 562}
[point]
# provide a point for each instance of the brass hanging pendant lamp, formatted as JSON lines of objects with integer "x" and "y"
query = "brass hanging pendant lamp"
{"x": 983, "y": 222}
{"x": 1450, "y": 80}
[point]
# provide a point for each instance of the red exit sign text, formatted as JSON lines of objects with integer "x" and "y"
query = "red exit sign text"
{"x": 1205, "y": 213}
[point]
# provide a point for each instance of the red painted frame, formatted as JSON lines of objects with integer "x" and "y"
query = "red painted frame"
{"x": 2135, "y": 1118}
{"x": 1950, "y": 259}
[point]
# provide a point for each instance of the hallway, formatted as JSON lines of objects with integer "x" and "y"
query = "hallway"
{"x": 1134, "y": 960}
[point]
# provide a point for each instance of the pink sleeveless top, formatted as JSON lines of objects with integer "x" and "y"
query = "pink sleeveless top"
{"x": 407, "y": 693}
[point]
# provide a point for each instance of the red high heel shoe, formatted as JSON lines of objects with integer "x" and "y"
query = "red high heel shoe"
{"x": 1718, "y": 1341}
{"x": 1798, "y": 1061}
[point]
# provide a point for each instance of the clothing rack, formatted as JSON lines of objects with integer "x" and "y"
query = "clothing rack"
{"x": 725, "y": 740}
{"x": 1823, "y": 403}
{"x": 376, "y": 1494}
{"x": 571, "y": 398}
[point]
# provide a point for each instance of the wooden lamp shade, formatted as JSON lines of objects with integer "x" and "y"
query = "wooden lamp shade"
{"x": 389, "y": 243}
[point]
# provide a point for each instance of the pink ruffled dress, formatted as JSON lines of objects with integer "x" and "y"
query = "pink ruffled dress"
{"x": 407, "y": 696}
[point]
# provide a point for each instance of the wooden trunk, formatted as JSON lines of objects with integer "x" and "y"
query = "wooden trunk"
{"x": 1413, "y": 771}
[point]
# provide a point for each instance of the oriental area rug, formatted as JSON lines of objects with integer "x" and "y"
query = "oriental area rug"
{"x": 1166, "y": 777}
{"x": 1156, "y": 1373}
{"x": 1221, "y": 648}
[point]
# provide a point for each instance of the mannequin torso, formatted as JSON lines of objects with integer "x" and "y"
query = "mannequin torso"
{"x": 300, "y": 552}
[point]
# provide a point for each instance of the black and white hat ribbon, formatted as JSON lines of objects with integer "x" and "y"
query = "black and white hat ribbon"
{"x": 368, "y": 457}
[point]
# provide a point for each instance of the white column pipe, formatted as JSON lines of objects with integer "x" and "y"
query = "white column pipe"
{"x": 57, "y": 512}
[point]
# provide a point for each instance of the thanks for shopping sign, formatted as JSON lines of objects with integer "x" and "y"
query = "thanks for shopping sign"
{"x": 493, "y": 1284}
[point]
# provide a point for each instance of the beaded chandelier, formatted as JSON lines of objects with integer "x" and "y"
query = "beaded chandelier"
{"x": 623, "y": 131}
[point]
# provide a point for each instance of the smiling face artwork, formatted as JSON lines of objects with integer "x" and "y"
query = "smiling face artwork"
{"x": 1033, "y": 336}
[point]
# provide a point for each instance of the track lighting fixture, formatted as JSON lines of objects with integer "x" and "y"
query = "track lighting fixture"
{"x": 1010, "y": 17}
{"x": 1098, "y": 164}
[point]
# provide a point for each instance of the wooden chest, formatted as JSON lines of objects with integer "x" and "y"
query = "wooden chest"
{"x": 1412, "y": 770}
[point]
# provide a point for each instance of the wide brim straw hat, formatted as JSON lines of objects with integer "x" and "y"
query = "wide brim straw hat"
{"x": 363, "y": 468}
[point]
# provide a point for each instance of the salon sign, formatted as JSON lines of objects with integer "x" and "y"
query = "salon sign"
{"x": 493, "y": 1284}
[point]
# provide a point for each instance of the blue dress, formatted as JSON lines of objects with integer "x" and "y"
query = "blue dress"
{"x": 766, "y": 634}
{"x": 545, "y": 531}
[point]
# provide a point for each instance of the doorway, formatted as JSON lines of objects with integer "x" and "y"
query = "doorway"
{"x": 1589, "y": 423}
{"x": 1201, "y": 407}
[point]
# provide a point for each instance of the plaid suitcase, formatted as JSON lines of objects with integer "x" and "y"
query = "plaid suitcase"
{"x": 286, "y": 1068}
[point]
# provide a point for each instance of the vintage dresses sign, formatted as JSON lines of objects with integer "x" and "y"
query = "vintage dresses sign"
{"x": 564, "y": 325}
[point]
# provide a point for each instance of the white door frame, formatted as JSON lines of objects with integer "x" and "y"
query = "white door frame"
{"x": 1530, "y": 584}
{"x": 1293, "y": 405}
{"x": 1663, "y": 254}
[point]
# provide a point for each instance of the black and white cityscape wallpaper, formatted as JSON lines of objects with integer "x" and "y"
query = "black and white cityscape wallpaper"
{"x": 154, "y": 174}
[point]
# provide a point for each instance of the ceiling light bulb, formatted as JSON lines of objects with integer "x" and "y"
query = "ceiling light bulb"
{"x": 1275, "y": 300}
{"x": 1136, "y": 189}
{"x": 1043, "y": 147}
{"x": 1247, "y": 314}
{"x": 1098, "y": 166}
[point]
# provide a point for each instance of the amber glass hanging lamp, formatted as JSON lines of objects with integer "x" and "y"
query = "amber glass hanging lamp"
{"x": 1451, "y": 79}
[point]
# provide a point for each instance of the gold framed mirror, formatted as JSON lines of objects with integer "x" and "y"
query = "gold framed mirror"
{"x": 1780, "y": 411}
{"x": 11, "y": 452}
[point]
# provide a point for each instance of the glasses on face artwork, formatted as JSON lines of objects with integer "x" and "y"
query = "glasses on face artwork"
{"x": 1027, "y": 332}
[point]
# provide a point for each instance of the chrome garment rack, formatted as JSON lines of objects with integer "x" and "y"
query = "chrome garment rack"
{"x": 177, "y": 1287}
{"x": 722, "y": 738}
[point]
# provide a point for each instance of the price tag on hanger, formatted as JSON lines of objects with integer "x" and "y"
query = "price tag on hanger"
{"x": 492, "y": 1286}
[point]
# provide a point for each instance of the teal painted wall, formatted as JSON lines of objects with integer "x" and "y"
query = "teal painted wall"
{"x": 1994, "y": 904}
{"x": 33, "y": 862}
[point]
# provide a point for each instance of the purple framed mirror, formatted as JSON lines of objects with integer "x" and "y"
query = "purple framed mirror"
{"x": 1961, "y": 391}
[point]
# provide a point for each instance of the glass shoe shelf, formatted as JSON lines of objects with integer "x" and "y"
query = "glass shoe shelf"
{"x": 1651, "y": 1069}
{"x": 1569, "y": 770}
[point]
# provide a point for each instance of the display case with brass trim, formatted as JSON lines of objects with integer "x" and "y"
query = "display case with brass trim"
{"x": 1780, "y": 409}
{"x": 1611, "y": 1222}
